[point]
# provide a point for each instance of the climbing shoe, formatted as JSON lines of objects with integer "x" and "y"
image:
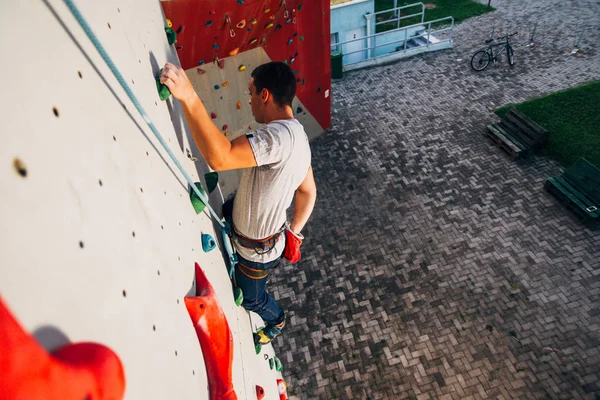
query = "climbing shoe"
{"x": 268, "y": 333}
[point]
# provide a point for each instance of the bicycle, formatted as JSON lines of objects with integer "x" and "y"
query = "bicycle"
{"x": 482, "y": 58}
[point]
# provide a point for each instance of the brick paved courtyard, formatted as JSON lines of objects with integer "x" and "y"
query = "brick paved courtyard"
{"x": 434, "y": 267}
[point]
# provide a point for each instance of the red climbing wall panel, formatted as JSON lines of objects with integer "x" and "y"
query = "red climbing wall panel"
{"x": 300, "y": 37}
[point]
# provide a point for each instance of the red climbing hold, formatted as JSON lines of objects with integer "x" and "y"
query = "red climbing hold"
{"x": 200, "y": 71}
{"x": 213, "y": 115}
{"x": 282, "y": 387}
{"x": 260, "y": 392}
{"x": 224, "y": 127}
{"x": 214, "y": 336}
{"x": 74, "y": 371}
{"x": 221, "y": 64}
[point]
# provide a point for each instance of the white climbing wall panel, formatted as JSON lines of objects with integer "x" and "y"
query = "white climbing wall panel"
{"x": 99, "y": 239}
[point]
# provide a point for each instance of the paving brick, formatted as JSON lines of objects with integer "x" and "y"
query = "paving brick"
{"x": 434, "y": 266}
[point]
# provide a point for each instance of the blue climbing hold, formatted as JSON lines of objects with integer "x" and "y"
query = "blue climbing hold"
{"x": 216, "y": 46}
{"x": 208, "y": 243}
{"x": 290, "y": 41}
{"x": 240, "y": 1}
{"x": 217, "y": 87}
{"x": 201, "y": 62}
{"x": 208, "y": 23}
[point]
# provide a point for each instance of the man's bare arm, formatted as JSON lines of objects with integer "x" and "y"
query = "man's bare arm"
{"x": 217, "y": 151}
{"x": 304, "y": 202}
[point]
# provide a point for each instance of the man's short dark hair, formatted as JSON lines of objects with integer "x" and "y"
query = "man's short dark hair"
{"x": 278, "y": 79}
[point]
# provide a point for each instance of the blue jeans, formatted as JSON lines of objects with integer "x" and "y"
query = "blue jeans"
{"x": 256, "y": 297}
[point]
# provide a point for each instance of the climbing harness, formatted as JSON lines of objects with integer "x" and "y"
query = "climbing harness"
{"x": 225, "y": 227}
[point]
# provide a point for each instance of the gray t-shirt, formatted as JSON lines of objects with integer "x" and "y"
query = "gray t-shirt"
{"x": 266, "y": 191}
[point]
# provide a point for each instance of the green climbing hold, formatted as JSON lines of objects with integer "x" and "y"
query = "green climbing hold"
{"x": 271, "y": 363}
{"x": 257, "y": 348}
{"x": 211, "y": 178}
{"x": 299, "y": 7}
{"x": 163, "y": 90}
{"x": 238, "y": 296}
{"x": 197, "y": 203}
{"x": 171, "y": 35}
{"x": 278, "y": 364}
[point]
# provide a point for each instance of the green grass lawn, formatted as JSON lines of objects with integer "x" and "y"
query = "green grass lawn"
{"x": 459, "y": 9}
{"x": 572, "y": 119}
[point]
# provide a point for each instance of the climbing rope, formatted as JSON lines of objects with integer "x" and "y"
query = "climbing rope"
{"x": 225, "y": 227}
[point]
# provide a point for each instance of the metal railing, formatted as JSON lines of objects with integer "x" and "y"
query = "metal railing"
{"x": 575, "y": 36}
{"x": 397, "y": 15}
{"x": 428, "y": 33}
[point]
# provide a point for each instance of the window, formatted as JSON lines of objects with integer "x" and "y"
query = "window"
{"x": 335, "y": 38}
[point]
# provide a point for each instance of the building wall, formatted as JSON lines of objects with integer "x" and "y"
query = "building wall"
{"x": 350, "y": 16}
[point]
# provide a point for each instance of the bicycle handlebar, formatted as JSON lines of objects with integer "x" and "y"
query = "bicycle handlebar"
{"x": 507, "y": 36}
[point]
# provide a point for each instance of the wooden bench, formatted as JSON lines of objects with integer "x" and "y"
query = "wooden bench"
{"x": 517, "y": 134}
{"x": 579, "y": 188}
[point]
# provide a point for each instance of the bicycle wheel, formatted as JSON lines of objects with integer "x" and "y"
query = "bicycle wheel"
{"x": 480, "y": 60}
{"x": 511, "y": 56}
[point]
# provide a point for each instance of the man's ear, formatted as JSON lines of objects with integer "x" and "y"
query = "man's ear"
{"x": 264, "y": 95}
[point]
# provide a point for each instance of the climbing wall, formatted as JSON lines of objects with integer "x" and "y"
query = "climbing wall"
{"x": 219, "y": 32}
{"x": 99, "y": 239}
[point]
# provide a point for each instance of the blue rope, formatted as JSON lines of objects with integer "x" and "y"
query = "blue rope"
{"x": 225, "y": 228}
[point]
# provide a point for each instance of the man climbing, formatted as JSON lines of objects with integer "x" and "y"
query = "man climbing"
{"x": 276, "y": 163}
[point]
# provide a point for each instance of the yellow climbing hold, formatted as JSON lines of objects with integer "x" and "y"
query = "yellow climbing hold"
{"x": 169, "y": 23}
{"x": 269, "y": 25}
{"x": 225, "y": 83}
{"x": 267, "y": 10}
{"x": 227, "y": 133}
{"x": 242, "y": 67}
{"x": 253, "y": 41}
{"x": 250, "y": 127}
{"x": 253, "y": 21}
{"x": 234, "y": 51}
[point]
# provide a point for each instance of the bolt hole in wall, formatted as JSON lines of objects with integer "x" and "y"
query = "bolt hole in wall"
{"x": 109, "y": 27}
{"x": 124, "y": 293}
{"x": 55, "y": 111}
{"x": 81, "y": 244}
{"x": 20, "y": 167}
{"x": 80, "y": 74}
{"x": 100, "y": 182}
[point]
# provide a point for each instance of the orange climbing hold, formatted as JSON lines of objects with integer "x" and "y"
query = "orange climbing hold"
{"x": 260, "y": 393}
{"x": 74, "y": 371}
{"x": 239, "y": 105}
{"x": 241, "y": 24}
{"x": 234, "y": 51}
{"x": 225, "y": 83}
{"x": 214, "y": 336}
